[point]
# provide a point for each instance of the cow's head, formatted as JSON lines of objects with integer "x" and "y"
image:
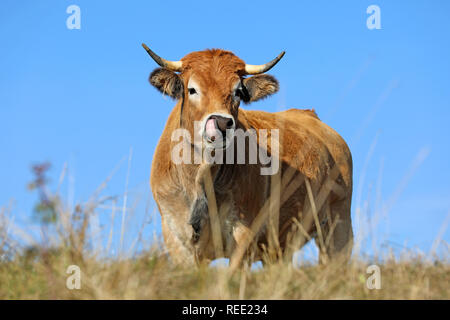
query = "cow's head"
{"x": 210, "y": 85}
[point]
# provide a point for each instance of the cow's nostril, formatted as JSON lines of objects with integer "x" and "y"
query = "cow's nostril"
{"x": 223, "y": 123}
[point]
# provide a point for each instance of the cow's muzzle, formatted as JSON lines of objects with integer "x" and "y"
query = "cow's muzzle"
{"x": 219, "y": 129}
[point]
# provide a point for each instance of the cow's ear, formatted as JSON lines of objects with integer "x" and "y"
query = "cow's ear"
{"x": 168, "y": 82}
{"x": 260, "y": 86}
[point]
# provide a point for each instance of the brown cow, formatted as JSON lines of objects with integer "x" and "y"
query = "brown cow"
{"x": 212, "y": 210}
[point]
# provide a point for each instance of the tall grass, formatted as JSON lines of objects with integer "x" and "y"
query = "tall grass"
{"x": 31, "y": 269}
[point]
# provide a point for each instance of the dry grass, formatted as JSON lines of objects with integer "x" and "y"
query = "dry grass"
{"x": 41, "y": 275}
{"x": 38, "y": 271}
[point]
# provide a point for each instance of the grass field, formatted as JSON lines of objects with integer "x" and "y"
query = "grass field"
{"x": 42, "y": 275}
{"x": 40, "y": 271}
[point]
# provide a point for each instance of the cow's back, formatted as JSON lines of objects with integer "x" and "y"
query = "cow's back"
{"x": 308, "y": 144}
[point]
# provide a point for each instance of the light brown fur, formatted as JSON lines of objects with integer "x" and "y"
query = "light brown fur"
{"x": 309, "y": 150}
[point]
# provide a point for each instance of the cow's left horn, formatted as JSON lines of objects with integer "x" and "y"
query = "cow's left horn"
{"x": 171, "y": 65}
{"x": 257, "y": 69}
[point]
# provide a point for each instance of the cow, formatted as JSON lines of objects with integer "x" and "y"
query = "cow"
{"x": 214, "y": 209}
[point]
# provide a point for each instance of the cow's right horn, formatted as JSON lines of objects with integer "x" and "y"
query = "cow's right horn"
{"x": 171, "y": 65}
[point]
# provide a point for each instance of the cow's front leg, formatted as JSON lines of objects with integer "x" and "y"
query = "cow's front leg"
{"x": 199, "y": 208}
{"x": 199, "y": 215}
{"x": 245, "y": 248}
{"x": 179, "y": 250}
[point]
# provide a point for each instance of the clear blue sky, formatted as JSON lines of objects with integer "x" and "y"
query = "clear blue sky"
{"x": 82, "y": 96}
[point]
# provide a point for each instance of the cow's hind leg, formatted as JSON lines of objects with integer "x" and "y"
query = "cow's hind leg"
{"x": 337, "y": 232}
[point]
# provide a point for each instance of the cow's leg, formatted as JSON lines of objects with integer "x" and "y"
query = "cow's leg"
{"x": 336, "y": 231}
{"x": 342, "y": 237}
{"x": 198, "y": 214}
{"x": 241, "y": 248}
{"x": 178, "y": 251}
{"x": 199, "y": 211}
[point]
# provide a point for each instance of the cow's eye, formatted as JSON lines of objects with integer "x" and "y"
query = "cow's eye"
{"x": 241, "y": 93}
{"x": 238, "y": 93}
{"x": 192, "y": 91}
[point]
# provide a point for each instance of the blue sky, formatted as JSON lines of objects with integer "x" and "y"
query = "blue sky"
{"x": 82, "y": 97}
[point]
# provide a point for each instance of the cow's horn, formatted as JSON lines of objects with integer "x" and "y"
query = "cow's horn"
{"x": 171, "y": 65}
{"x": 257, "y": 69}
